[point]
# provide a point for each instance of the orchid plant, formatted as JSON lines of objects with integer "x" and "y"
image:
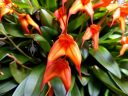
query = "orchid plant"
{"x": 63, "y": 48}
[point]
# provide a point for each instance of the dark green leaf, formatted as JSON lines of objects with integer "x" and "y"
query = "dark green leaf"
{"x": 7, "y": 86}
{"x": 101, "y": 75}
{"x": 84, "y": 81}
{"x": 122, "y": 83}
{"x": 43, "y": 43}
{"x": 93, "y": 88}
{"x": 20, "y": 89}
{"x": 32, "y": 81}
{"x": 6, "y": 73}
{"x": 51, "y": 4}
{"x": 19, "y": 73}
{"x": 106, "y": 60}
{"x": 76, "y": 91}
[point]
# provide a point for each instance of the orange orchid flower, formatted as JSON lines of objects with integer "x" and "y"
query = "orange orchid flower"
{"x": 58, "y": 68}
{"x": 5, "y": 7}
{"x": 66, "y": 46}
{"x": 92, "y": 31}
{"x": 25, "y": 21}
{"x": 102, "y": 3}
{"x": 120, "y": 14}
{"x": 61, "y": 16}
{"x": 124, "y": 43}
{"x": 84, "y": 5}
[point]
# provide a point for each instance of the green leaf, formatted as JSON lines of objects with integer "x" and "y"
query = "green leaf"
{"x": 103, "y": 76}
{"x": 35, "y": 3}
{"x": 14, "y": 30}
{"x": 121, "y": 83}
{"x": 22, "y": 5}
{"x": 6, "y": 73}
{"x": 84, "y": 81}
{"x": 32, "y": 80}
{"x": 93, "y": 88}
{"x": 51, "y": 4}
{"x": 43, "y": 42}
{"x": 74, "y": 24}
{"x": 46, "y": 18}
{"x": 76, "y": 91}
{"x": 19, "y": 73}
{"x": 106, "y": 60}
{"x": 7, "y": 86}
{"x": 58, "y": 87}
{"x": 20, "y": 89}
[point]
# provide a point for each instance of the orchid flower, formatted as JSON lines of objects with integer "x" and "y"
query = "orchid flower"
{"x": 58, "y": 68}
{"x": 124, "y": 43}
{"x": 25, "y": 21}
{"x": 120, "y": 15}
{"x": 92, "y": 31}
{"x": 5, "y": 7}
{"x": 82, "y": 5}
{"x": 66, "y": 46}
{"x": 61, "y": 16}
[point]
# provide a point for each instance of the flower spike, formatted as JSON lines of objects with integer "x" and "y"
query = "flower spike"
{"x": 66, "y": 46}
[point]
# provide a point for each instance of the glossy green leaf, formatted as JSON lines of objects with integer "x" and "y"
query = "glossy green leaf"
{"x": 46, "y": 18}
{"x": 51, "y": 4}
{"x": 121, "y": 83}
{"x": 7, "y": 86}
{"x": 35, "y": 3}
{"x": 106, "y": 60}
{"x": 32, "y": 80}
{"x": 14, "y": 30}
{"x": 103, "y": 77}
{"x": 43, "y": 42}
{"x": 74, "y": 24}
{"x": 6, "y": 73}
{"x": 22, "y": 5}
{"x": 84, "y": 81}
{"x": 76, "y": 91}
{"x": 93, "y": 88}
{"x": 18, "y": 72}
{"x": 20, "y": 89}
{"x": 58, "y": 87}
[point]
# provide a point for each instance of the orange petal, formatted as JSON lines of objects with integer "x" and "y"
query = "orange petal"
{"x": 59, "y": 68}
{"x": 7, "y": 1}
{"x": 77, "y": 6}
{"x": 116, "y": 15}
{"x": 87, "y": 35}
{"x": 61, "y": 16}
{"x": 89, "y": 10}
{"x": 95, "y": 35}
{"x": 122, "y": 25}
{"x": 5, "y": 10}
{"x": 33, "y": 23}
{"x": 123, "y": 49}
{"x": 56, "y": 51}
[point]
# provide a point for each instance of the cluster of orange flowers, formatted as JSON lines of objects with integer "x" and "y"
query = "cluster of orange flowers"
{"x": 8, "y": 7}
{"x": 65, "y": 47}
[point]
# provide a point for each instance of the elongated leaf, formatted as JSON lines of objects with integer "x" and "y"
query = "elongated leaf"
{"x": 84, "y": 81}
{"x": 20, "y": 89}
{"x": 51, "y": 4}
{"x": 7, "y": 86}
{"x": 58, "y": 87}
{"x": 43, "y": 43}
{"x": 122, "y": 83}
{"x": 74, "y": 24}
{"x": 93, "y": 88}
{"x": 22, "y": 5}
{"x": 106, "y": 60}
{"x": 32, "y": 80}
{"x": 101, "y": 75}
{"x": 19, "y": 74}
{"x": 76, "y": 91}
{"x": 46, "y": 18}
{"x": 6, "y": 73}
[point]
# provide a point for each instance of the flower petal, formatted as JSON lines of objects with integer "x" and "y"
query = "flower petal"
{"x": 56, "y": 51}
{"x": 59, "y": 68}
{"x": 33, "y": 23}
{"x": 123, "y": 49}
{"x": 74, "y": 54}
